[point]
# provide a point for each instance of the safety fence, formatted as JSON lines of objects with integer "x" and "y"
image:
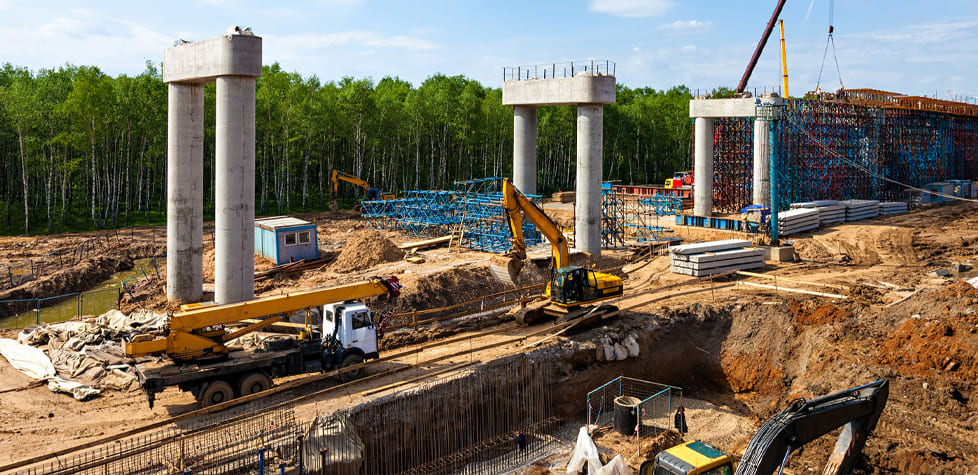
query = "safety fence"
{"x": 567, "y": 69}
{"x": 23, "y": 312}
{"x": 656, "y": 403}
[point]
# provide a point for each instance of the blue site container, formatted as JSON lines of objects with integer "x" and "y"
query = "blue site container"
{"x": 284, "y": 239}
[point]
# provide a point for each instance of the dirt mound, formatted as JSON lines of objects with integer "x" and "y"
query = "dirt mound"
{"x": 754, "y": 353}
{"x": 824, "y": 314}
{"x": 365, "y": 249}
{"x": 928, "y": 346}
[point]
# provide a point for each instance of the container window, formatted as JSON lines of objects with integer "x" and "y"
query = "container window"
{"x": 304, "y": 237}
{"x": 290, "y": 239}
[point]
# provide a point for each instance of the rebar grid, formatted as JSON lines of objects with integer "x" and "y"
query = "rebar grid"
{"x": 446, "y": 426}
{"x": 612, "y": 219}
{"x": 228, "y": 442}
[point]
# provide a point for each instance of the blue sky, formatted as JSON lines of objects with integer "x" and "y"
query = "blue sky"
{"x": 913, "y": 47}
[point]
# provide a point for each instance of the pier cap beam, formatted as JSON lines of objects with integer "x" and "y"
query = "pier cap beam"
{"x": 236, "y": 53}
{"x": 582, "y": 89}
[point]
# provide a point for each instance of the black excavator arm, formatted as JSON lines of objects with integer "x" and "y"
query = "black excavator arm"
{"x": 856, "y": 410}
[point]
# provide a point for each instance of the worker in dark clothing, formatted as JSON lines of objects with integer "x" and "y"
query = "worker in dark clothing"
{"x": 521, "y": 440}
{"x": 680, "y": 420}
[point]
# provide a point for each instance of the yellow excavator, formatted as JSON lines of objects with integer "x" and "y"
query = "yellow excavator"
{"x": 369, "y": 193}
{"x": 856, "y": 410}
{"x": 335, "y": 332}
{"x": 572, "y": 290}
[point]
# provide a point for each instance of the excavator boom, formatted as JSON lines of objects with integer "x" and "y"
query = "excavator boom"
{"x": 506, "y": 268}
{"x": 856, "y": 410}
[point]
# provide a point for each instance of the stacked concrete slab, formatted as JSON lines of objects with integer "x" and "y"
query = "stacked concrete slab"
{"x": 829, "y": 211}
{"x": 797, "y": 220}
{"x": 893, "y": 207}
{"x": 861, "y": 209}
{"x": 715, "y": 257}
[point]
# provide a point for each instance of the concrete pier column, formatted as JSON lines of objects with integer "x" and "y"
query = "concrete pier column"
{"x": 234, "y": 244}
{"x": 587, "y": 208}
{"x": 525, "y": 148}
{"x": 703, "y": 168}
{"x": 762, "y": 153}
{"x": 185, "y": 192}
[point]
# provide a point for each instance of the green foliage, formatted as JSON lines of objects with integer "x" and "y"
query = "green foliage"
{"x": 94, "y": 147}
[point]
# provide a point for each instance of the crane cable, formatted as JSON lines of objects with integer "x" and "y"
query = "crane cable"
{"x": 866, "y": 170}
{"x": 830, "y": 40}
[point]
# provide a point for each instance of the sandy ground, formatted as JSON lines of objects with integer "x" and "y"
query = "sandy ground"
{"x": 755, "y": 348}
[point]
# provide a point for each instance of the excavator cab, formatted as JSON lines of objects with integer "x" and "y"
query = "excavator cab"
{"x": 574, "y": 285}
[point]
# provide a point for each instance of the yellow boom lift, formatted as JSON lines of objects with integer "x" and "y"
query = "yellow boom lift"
{"x": 572, "y": 290}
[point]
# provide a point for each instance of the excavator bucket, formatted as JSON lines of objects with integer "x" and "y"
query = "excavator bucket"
{"x": 505, "y": 268}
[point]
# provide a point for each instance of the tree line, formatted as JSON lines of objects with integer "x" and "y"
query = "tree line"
{"x": 82, "y": 150}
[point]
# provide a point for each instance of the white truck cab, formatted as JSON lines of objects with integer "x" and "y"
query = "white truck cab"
{"x": 352, "y": 324}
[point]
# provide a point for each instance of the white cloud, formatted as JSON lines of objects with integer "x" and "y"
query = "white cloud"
{"x": 691, "y": 26}
{"x": 84, "y": 37}
{"x": 631, "y": 8}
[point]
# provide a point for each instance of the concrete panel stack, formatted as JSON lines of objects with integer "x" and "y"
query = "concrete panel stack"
{"x": 715, "y": 257}
{"x": 861, "y": 209}
{"x": 797, "y": 220}
{"x": 893, "y": 207}
{"x": 829, "y": 211}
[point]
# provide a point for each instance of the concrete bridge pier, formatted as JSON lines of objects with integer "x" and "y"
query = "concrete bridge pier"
{"x": 233, "y": 61}
{"x": 589, "y": 91}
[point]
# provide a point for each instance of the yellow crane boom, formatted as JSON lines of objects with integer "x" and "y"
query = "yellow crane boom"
{"x": 198, "y": 332}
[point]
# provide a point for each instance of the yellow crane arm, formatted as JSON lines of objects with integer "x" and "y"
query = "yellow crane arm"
{"x": 515, "y": 201}
{"x": 189, "y": 335}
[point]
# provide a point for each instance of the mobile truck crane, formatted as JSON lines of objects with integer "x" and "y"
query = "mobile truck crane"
{"x": 369, "y": 193}
{"x": 856, "y": 410}
{"x": 337, "y": 332}
{"x": 572, "y": 290}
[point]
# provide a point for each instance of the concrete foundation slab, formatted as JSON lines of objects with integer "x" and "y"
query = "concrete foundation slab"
{"x": 780, "y": 253}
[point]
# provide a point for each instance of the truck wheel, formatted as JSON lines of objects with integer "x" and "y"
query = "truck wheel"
{"x": 216, "y": 393}
{"x": 350, "y": 360}
{"x": 254, "y": 383}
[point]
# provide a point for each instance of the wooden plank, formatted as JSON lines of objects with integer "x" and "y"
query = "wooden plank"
{"x": 797, "y": 291}
{"x": 785, "y": 279}
{"x": 434, "y": 242}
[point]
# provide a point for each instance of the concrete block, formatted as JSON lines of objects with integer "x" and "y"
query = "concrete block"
{"x": 960, "y": 267}
{"x": 941, "y": 273}
{"x": 232, "y": 54}
{"x": 740, "y": 107}
{"x": 583, "y": 89}
{"x": 780, "y": 253}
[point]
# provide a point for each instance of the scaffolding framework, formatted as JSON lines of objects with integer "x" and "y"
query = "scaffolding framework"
{"x": 915, "y": 142}
{"x": 473, "y": 210}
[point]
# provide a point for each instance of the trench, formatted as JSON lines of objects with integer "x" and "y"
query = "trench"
{"x": 99, "y": 299}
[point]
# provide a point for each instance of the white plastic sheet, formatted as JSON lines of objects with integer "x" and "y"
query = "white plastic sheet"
{"x": 34, "y": 363}
{"x": 586, "y": 451}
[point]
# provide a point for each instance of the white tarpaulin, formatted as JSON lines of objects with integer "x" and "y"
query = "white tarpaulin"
{"x": 34, "y": 363}
{"x": 586, "y": 451}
